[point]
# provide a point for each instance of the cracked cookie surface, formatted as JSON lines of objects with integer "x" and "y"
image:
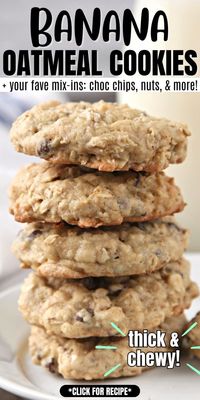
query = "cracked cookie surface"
{"x": 104, "y": 136}
{"x": 63, "y": 251}
{"x": 86, "y": 307}
{"x": 78, "y": 359}
{"x": 55, "y": 193}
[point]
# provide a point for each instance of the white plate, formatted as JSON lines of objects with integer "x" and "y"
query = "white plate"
{"x": 19, "y": 376}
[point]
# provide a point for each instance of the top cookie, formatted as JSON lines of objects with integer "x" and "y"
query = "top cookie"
{"x": 104, "y": 136}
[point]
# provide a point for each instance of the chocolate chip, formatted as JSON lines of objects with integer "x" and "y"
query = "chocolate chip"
{"x": 115, "y": 293}
{"x": 51, "y": 365}
{"x": 44, "y": 148}
{"x": 34, "y": 234}
{"x": 78, "y": 318}
{"x": 158, "y": 252}
{"x": 23, "y": 235}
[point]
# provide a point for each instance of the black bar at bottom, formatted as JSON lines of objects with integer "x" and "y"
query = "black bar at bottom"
{"x": 118, "y": 391}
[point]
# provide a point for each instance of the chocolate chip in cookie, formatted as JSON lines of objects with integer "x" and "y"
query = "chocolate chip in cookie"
{"x": 51, "y": 365}
{"x": 44, "y": 148}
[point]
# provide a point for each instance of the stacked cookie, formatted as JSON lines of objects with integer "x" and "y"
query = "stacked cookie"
{"x": 105, "y": 249}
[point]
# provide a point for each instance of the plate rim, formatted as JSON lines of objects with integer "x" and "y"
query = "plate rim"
{"x": 17, "y": 388}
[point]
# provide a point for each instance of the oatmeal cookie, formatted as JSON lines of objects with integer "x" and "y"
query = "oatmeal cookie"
{"x": 63, "y": 251}
{"x": 55, "y": 193}
{"x": 79, "y": 359}
{"x": 104, "y": 136}
{"x": 86, "y": 307}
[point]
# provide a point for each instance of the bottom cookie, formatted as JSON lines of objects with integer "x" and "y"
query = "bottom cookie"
{"x": 79, "y": 359}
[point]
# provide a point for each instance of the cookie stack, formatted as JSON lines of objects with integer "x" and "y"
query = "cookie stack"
{"x": 105, "y": 250}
